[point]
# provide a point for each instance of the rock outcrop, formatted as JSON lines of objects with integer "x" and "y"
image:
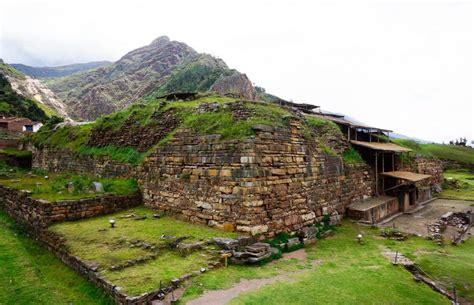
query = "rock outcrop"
{"x": 237, "y": 84}
{"x": 31, "y": 89}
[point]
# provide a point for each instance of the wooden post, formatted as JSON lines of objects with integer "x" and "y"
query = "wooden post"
{"x": 383, "y": 162}
{"x": 348, "y": 134}
{"x": 383, "y": 171}
{"x": 355, "y": 129}
{"x": 393, "y": 161}
{"x": 376, "y": 174}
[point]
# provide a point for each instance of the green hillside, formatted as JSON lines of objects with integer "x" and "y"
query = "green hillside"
{"x": 441, "y": 151}
{"x": 196, "y": 75}
{"x": 13, "y": 104}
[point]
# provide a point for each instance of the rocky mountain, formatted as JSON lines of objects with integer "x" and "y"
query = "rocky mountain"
{"x": 21, "y": 95}
{"x": 60, "y": 71}
{"x": 162, "y": 67}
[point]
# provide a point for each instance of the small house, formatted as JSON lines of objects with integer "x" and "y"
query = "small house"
{"x": 16, "y": 124}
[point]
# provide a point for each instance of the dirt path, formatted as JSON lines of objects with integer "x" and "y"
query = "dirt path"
{"x": 223, "y": 296}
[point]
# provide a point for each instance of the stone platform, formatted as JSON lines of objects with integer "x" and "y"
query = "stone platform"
{"x": 374, "y": 210}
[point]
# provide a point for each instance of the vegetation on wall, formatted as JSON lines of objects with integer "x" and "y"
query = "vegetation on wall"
{"x": 219, "y": 120}
{"x": 74, "y": 138}
{"x": 63, "y": 186}
{"x": 352, "y": 156}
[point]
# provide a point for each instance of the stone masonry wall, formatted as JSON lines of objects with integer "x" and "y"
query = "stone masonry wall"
{"x": 428, "y": 166}
{"x": 38, "y": 214}
{"x": 58, "y": 160}
{"x": 276, "y": 181}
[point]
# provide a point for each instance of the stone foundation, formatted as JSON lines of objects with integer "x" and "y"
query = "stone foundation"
{"x": 58, "y": 160}
{"x": 38, "y": 214}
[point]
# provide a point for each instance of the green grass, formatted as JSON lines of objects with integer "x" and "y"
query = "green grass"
{"x": 11, "y": 71}
{"x": 318, "y": 122}
{"x": 327, "y": 150}
{"x": 75, "y": 138}
{"x": 352, "y": 156}
{"x": 10, "y": 151}
{"x": 347, "y": 273}
{"x": 450, "y": 152}
{"x": 29, "y": 274}
{"x": 441, "y": 151}
{"x": 465, "y": 181}
{"x": 450, "y": 265}
{"x": 55, "y": 187}
{"x": 94, "y": 240}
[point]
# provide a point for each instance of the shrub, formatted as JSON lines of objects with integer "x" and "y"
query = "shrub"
{"x": 352, "y": 156}
{"x": 327, "y": 150}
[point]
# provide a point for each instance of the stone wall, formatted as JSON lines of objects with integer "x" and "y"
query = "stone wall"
{"x": 37, "y": 214}
{"x": 59, "y": 160}
{"x": 276, "y": 181}
{"x": 428, "y": 166}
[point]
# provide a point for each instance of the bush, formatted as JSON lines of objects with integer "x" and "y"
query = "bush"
{"x": 352, "y": 156}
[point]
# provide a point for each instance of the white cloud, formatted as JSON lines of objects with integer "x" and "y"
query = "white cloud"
{"x": 402, "y": 65}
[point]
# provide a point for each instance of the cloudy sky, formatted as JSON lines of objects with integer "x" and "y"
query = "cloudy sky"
{"x": 403, "y": 65}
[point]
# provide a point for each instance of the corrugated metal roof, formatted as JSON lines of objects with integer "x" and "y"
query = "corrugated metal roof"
{"x": 409, "y": 176}
{"x": 342, "y": 120}
{"x": 382, "y": 146}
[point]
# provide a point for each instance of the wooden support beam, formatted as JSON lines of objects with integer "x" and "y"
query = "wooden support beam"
{"x": 376, "y": 175}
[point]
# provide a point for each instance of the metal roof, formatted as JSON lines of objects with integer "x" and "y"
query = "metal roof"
{"x": 340, "y": 119}
{"x": 409, "y": 176}
{"x": 391, "y": 147}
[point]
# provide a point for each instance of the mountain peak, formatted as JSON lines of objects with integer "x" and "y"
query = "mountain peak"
{"x": 162, "y": 40}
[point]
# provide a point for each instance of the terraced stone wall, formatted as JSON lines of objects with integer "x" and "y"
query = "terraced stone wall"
{"x": 58, "y": 160}
{"x": 277, "y": 181}
{"x": 37, "y": 214}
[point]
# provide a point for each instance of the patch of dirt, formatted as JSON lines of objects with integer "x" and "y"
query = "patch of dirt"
{"x": 298, "y": 254}
{"x": 223, "y": 296}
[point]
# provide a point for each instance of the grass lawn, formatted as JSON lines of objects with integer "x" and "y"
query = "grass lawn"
{"x": 55, "y": 186}
{"x": 94, "y": 240}
{"x": 465, "y": 180}
{"x": 450, "y": 152}
{"x": 440, "y": 151}
{"x": 29, "y": 274}
{"x": 450, "y": 265}
{"x": 348, "y": 273}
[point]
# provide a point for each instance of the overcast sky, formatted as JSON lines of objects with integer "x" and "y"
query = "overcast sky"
{"x": 401, "y": 65}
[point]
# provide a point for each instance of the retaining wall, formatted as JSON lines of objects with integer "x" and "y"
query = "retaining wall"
{"x": 277, "y": 181}
{"x": 38, "y": 214}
